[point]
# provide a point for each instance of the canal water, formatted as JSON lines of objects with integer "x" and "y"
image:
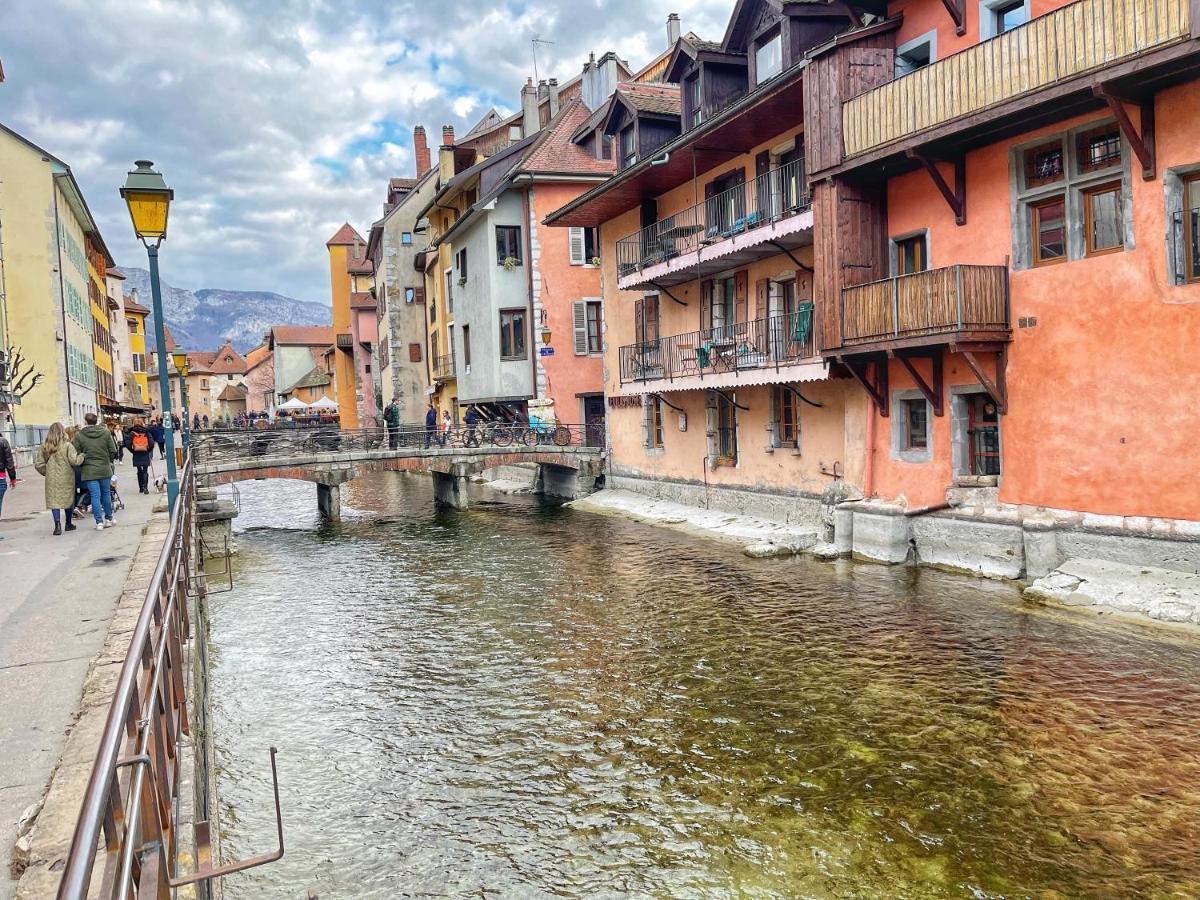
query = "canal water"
{"x": 524, "y": 700}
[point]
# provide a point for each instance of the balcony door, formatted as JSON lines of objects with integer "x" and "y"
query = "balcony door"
{"x": 725, "y": 204}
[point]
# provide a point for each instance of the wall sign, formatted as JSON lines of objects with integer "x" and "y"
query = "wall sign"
{"x": 625, "y": 402}
{"x": 545, "y": 351}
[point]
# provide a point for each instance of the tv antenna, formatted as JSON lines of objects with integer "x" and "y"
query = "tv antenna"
{"x": 537, "y": 39}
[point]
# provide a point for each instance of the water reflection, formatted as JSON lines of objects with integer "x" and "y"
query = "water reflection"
{"x": 522, "y": 700}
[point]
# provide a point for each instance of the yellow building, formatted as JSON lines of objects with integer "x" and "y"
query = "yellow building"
{"x": 99, "y": 261}
{"x": 355, "y": 327}
{"x": 45, "y": 226}
{"x": 135, "y": 321}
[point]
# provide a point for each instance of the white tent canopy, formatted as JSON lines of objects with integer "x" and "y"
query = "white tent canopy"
{"x": 294, "y": 404}
{"x": 324, "y": 403}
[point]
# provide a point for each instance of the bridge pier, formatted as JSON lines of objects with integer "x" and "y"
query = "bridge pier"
{"x": 329, "y": 502}
{"x": 450, "y": 489}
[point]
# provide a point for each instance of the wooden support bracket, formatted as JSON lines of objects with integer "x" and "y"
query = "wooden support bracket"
{"x": 1143, "y": 142}
{"x": 956, "y": 198}
{"x": 958, "y": 13}
{"x": 997, "y": 389}
{"x": 934, "y": 393}
{"x": 878, "y": 390}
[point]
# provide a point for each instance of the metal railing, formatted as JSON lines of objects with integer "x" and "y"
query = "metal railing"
{"x": 1185, "y": 245}
{"x": 936, "y": 301}
{"x": 221, "y": 447}
{"x": 443, "y": 367}
{"x": 742, "y": 346}
{"x": 769, "y": 198}
{"x": 1065, "y": 42}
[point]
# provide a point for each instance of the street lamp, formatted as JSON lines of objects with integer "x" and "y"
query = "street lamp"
{"x": 179, "y": 357}
{"x": 149, "y": 199}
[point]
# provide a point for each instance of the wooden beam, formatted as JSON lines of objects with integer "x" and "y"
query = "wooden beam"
{"x": 932, "y": 392}
{"x": 998, "y": 389}
{"x": 1143, "y": 142}
{"x": 878, "y": 391}
{"x": 956, "y": 198}
{"x": 958, "y": 13}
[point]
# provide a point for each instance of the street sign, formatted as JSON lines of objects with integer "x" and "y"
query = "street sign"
{"x": 545, "y": 351}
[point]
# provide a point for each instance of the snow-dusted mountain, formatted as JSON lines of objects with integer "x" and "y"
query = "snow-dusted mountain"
{"x": 205, "y": 319}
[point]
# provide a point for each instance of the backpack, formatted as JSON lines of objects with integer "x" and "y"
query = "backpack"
{"x": 140, "y": 442}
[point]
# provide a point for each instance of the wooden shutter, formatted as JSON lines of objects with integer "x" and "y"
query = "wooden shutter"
{"x": 650, "y": 311}
{"x": 741, "y": 299}
{"x": 762, "y": 298}
{"x": 579, "y": 326}
{"x": 575, "y": 238}
{"x": 419, "y": 295}
{"x": 706, "y": 301}
{"x": 414, "y": 352}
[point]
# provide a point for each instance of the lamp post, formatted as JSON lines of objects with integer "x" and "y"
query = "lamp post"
{"x": 149, "y": 199}
{"x": 179, "y": 357}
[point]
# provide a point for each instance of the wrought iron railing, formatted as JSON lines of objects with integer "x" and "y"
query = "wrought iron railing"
{"x": 215, "y": 448}
{"x": 737, "y": 347}
{"x": 443, "y": 367}
{"x": 769, "y": 198}
{"x": 936, "y": 301}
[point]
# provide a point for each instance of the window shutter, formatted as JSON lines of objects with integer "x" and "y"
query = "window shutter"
{"x": 762, "y": 294}
{"x": 651, "y": 311}
{"x": 741, "y": 300}
{"x": 647, "y": 419}
{"x": 706, "y": 303}
{"x": 414, "y": 353}
{"x": 577, "y": 246}
{"x": 639, "y": 320}
{"x": 579, "y": 326}
{"x": 419, "y": 295}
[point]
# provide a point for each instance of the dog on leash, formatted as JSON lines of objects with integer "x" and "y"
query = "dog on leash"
{"x": 160, "y": 485}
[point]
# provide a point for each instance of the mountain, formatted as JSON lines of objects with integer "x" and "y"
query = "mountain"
{"x": 205, "y": 319}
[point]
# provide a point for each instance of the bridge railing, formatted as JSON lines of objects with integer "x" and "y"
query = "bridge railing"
{"x": 213, "y": 448}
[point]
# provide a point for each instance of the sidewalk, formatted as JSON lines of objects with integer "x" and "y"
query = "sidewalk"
{"x": 57, "y": 597}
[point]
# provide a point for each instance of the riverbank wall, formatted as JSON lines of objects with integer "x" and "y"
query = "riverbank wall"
{"x": 1051, "y": 551}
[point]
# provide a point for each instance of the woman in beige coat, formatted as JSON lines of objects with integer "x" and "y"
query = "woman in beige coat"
{"x": 56, "y": 459}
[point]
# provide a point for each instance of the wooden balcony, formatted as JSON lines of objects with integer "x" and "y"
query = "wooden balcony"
{"x": 1047, "y": 56}
{"x": 955, "y": 304}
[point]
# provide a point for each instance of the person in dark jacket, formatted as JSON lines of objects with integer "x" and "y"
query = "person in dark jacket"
{"x": 472, "y": 419}
{"x": 431, "y": 425}
{"x": 139, "y": 441}
{"x": 99, "y": 450}
{"x": 160, "y": 437}
{"x": 8, "y": 472}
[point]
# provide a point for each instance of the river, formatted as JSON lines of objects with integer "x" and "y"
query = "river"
{"x": 523, "y": 700}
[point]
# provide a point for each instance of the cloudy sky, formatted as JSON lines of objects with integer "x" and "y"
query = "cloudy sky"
{"x": 277, "y": 120}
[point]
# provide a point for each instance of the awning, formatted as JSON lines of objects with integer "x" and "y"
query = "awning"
{"x": 323, "y": 403}
{"x": 294, "y": 403}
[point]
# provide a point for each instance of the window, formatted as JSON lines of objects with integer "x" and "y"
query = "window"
{"x": 911, "y": 255}
{"x": 695, "y": 111}
{"x": 508, "y": 243}
{"x": 1049, "y": 231}
{"x": 466, "y": 333}
{"x": 785, "y": 420}
{"x": 584, "y": 245}
{"x": 1102, "y": 213}
{"x": 1191, "y": 227}
{"x": 999, "y": 16}
{"x": 410, "y": 295}
{"x": 450, "y": 291}
{"x": 593, "y": 326}
{"x": 406, "y": 238}
{"x": 132, "y": 324}
{"x": 512, "y": 334}
{"x": 726, "y": 431}
{"x": 915, "y": 419}
{"x": 768, "y": 57}
{"x": 460, "y": 263}
{"x": 654, "y": 422}
{"x": 645, "y": 319}
{"x": 916, "y": 54}
{"x": 1098, "y": 148}
{"x": 628, "y": 146}
{"x": 1044, "y": 164}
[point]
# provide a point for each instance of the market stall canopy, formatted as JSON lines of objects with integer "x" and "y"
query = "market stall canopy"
{"x": 294, "y": 403}
{"x": 323, "y": 403}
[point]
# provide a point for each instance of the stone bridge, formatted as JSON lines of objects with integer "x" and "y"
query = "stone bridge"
{"x": 567, "y": 467}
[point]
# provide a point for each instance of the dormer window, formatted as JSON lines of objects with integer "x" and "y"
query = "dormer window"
{"x": 768, "y": 56}
{"x": 695, "y": 112}
{"x": 628, "y": 146}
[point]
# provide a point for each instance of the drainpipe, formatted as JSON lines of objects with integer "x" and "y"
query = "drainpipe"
{"x": 869, "y": 465}
{"x": 534, "y": 333}
{"x": 62, "y": 294}
{"x": 925, "y": 510}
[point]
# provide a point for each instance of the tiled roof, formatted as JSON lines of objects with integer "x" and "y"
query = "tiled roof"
{"x": 257, "y": 356}
{"x": 663, "y": 99}
{"x": 556, "y": 153}
{"x": 228, "y": 361}
{"x": 345, "y": 235}
{"x": 314, "y": 378}
{"x": 132, "y": 306}
{"x": 303, "y": 335}
{"x": 200, "y": 361}
{"x": 403, "y": 184}
{"x": 114, "y": 272}
{"x": 359, "y": 264}
{"x": 362, "y": 300}
{"x": 232, "y": 392}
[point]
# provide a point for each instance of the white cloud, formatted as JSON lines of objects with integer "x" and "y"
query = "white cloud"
{"x": 277, "y": 120}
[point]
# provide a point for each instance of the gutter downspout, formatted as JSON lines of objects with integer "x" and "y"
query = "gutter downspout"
{"x": 869, "y": 465}
{"x": 62, "y": 296}
{"x": 534, "y": 333}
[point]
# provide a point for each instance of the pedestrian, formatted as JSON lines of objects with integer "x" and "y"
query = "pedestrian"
{"x": 140, "y": 443}
{"x": 204, "y": 421}
{"x": 56, "y": 460}
{"x": 114, "y": 428}
{"x": 160, "y": 437}
{"x": 8, "y": 472}
{"x": 431, "y": 419}
{"x": 472, "y": 421}
{"x": 195, "y": 421}
{"x": 391, "y": 418}
{"x": 99, "y": 451}
{"x": 447, "y": 427}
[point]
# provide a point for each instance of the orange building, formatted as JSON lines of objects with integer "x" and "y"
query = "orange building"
{"x": 351, "y": 278}
{"x": 1004, "y": 253}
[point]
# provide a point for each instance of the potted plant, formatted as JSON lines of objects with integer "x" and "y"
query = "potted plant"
{"x": 462, "y": 282}
{"x": 596, "y": 261}
{"x": 510, "y": 263}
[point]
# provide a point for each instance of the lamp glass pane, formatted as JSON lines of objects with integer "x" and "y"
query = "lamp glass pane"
{"x": 148, "y": 212}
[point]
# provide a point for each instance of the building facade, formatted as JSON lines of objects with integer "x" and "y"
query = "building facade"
{"x": 299, "y": 353}
{"x": 139, "y": 354}
{"x": 355, "y": 324}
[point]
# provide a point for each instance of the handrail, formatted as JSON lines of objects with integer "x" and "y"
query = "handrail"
{"x": 736, "y": 347}
{"x": 770, "y": 197}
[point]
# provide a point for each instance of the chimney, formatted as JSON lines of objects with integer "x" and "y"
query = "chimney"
{"x": 543, "y": 90}
{"x": 446, "y": 155}
{"x": 672, "y": 29}
{"x": 421, "y": 151}
{"x": 553, "y": 88}
{"x": 529, "y": 109}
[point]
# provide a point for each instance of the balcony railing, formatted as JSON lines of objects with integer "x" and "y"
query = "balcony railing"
{"x": 938, "y": 301}
{"x": 443, "y": 367}
{"x": 743, "y": 346}
{"x": 769, "y": 198}
{"x": 1071, "y": 40}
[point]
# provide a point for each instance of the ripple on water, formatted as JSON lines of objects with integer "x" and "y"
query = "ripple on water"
{"x": 532, "y": 702}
